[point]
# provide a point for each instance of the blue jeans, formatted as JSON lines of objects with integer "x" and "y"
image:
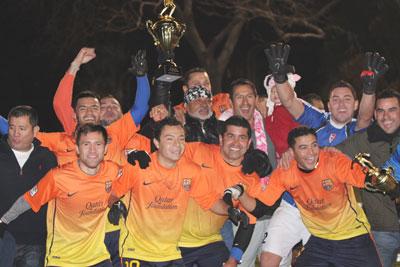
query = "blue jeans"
{"x": 227, "y": 234}
{"x": 387, "y": 244}
{"x": 20, "y": 255}
{"x": 353, "y": 252}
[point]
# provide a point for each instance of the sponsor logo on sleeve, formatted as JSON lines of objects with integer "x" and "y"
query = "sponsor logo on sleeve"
{"x": 33, "y": 191}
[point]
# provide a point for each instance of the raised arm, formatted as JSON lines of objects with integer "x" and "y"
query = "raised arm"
{"x": 62, "y": 102}
{"x": 375, "y": 67}
{"x": 277, "y": 55}
{"x": 139, "y": 69}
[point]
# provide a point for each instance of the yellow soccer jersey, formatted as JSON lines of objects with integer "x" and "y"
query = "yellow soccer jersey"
{"x": 76, "y": 212}
{"x": 157, "y": 205}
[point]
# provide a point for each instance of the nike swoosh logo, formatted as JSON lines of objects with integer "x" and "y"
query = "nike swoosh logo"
{"x": 147, "y": 183}
{"x": 69, "y": 194}
{"x": 205, "y": 166}
{"x": 69, "y": 149}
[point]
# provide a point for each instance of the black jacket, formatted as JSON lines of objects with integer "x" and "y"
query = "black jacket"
{"x": 30, "y": 227}
{"x": 380, "y": 209}
{"x": 206, "y": 132}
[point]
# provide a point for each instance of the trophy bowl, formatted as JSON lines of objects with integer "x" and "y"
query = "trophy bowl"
{"x": 166, "y": 33}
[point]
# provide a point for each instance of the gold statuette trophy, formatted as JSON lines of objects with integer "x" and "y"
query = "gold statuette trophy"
{"x": 166, "y": 32}
{"x": 378, "y": 180}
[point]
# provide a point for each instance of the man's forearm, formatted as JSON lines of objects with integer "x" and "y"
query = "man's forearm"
{"x": 366, "y": 111}
{"x": 220, "y": 208}
{"x": 289, "y": 100}
{"x": 247, "y": 202}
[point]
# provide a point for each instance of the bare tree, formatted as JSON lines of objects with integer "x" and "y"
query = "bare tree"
{"x": 288, "y": 18}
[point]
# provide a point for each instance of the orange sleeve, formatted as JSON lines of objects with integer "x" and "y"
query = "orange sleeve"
{"x": 62, "y": 103}
{"x": 202, "y": 191}
{"x": 47, "y": 140}
{"x": 42, "y": 192}
{"x": 346, "y": 173}
{"x": 125, "y": 182}
{"x": 123, "y": 130}
{"x": 220, "y": 103}
{"x": 274, "y": 189}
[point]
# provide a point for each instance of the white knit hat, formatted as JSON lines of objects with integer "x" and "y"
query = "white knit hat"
{"x": 269, "y": 82}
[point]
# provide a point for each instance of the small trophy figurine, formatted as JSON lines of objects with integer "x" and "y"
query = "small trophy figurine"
{"x": 382, "y": 180}
{"x": 166, "y": 33}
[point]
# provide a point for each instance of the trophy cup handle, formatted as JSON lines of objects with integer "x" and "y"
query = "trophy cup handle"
{"x": 371, "y": 188}
{"x": 149, "y": 26}
{"x": 168, "y": 4}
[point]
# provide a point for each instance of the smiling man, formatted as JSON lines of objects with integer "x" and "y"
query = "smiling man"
{"x": 320, "y": 183}
{"x": 77, "y": 194}
{"x": 158, "y": 199}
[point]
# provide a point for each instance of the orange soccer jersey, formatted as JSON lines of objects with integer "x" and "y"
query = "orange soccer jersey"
{"x": 76, "y": 214}
{"x": 120, "y": 134}
{"x": 203, "y": 227}
{"x": 158, "y": 201}
{"x": 324, "y": 196}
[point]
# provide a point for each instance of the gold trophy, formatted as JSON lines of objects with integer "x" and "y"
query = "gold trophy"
{"x": 166, "y": 33}
{"x": 382, "y": 180}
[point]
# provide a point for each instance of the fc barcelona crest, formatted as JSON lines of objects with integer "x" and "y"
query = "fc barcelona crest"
{"x": 327, "y": 184}
{"x": 187, "y": 184}
{"x": 108, "y": 186}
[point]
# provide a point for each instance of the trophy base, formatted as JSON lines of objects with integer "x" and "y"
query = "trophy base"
{"x": 168, "y": 73}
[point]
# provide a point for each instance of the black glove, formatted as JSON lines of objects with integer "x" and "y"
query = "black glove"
{"x": 237, "y": 216}
{"x": 375, "y": 67}
{"x": 256, "y": 161}
{"x": 116, "y": 211}
{"x": 139, "y": 63}
{"x": 141, "y": 156}
{"x": 277, "y": 56}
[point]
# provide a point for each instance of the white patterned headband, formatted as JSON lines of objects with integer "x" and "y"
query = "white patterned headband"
{"x": 196, "y": 92}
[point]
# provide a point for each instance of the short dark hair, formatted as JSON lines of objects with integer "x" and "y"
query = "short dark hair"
{"x": 91, "y": 128}
{"x": 168, "y": 121}
{"x": 84, "y": 94}
{"x": 23, "y": 110}
{"x": 186, "y": 76}
{"x": 109, "y": 96}
{"x": 388, "y": 93}
{"x": 297, "y": 132}
{"x": 239, "y": 82}
{"x": 235, "y": 121}
{"x": 342, "y": 83}
{"x": 312, "y": 96}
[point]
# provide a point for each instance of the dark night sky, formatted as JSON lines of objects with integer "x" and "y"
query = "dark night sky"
{"x": 31, "y": 65}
